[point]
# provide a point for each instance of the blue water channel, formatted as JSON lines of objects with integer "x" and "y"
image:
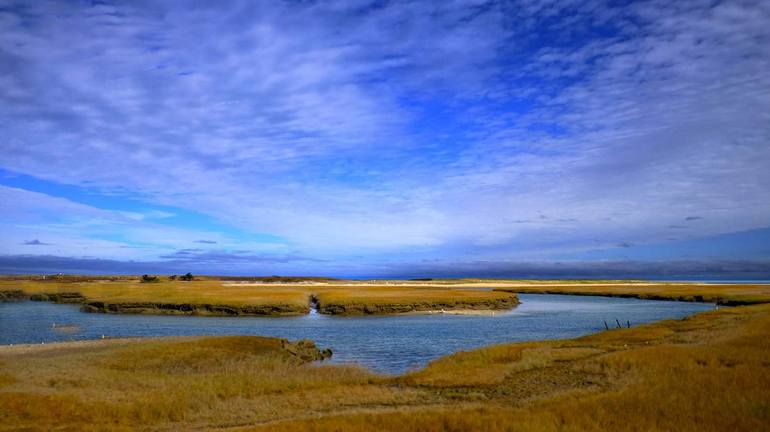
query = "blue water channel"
{"x": 389, "y": 344}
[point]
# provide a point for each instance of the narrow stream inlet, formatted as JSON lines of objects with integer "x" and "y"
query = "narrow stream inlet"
{"x": 313, "y": 305}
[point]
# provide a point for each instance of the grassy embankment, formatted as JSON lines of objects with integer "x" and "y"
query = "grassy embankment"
{"x": 709, "y": 372}
{"x": 168, "y": 297}
{"x": 358, "y": 300}
{"x": 725, "y": 294}
{"x": 215, "y": 297}
{"x": 293, "y": 296}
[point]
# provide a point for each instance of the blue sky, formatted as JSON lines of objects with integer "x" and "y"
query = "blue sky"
{"x": 369, "y": 139}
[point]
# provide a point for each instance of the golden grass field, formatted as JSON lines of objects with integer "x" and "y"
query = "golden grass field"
{"x": 730, "y": 294}
{"x": 231, "y": 298}
{"x": 293, "y": 296}
{"x": 146, "y": 296}
{"x": 709, "y": 372}
{"x": 408, "y": 298}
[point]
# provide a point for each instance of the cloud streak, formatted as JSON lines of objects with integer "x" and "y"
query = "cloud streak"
{"x": 35, "y": 242}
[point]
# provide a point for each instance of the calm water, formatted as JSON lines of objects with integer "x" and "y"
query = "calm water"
{"x": 390, "y": 344}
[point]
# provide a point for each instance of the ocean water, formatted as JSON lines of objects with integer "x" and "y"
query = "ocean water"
{"x": 387, "y": 344}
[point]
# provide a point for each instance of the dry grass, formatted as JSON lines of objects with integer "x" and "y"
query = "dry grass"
{"x": 731, "y": 294}
{"x": 707, "y": 373}
{"x": 379, "y": 299}
{"x": 710, "y": 372}
{"x": 258, "y": 298}
{"x": 200, "y": 292}
{"x": 199, "y": 297}
{"x": 224, "y": 297}
{"x": 167, "y": 383}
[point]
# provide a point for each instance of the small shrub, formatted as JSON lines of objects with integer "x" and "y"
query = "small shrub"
{"x": 149, "y": 279}
{"x": 187, "y": 277}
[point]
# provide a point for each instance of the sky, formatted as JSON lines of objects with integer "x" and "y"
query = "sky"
{"x": 386, "y": 139}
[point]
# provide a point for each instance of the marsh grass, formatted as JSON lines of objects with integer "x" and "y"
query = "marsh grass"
{"x": 158, "y": 383}
{"x": 212, "y": 292}
{"x": 706, "y": 373}
{"x": 709, "y": 372}
{"x": 222, "y": 297}
{"x": 730, "y": 294}
{"x": 378, "y": 299}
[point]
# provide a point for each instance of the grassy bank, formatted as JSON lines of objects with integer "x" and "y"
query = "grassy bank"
{"x": 217, "y": 297}
{"x": 293, "y": 295}
{"x": 404, "y": 299}
{"x": 206, "y": 297}
{"x": 727, "y": 294}
{"x": 709, "y": 372}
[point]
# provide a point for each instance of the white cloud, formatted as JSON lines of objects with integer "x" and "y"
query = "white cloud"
{"x": 308, "y": 121}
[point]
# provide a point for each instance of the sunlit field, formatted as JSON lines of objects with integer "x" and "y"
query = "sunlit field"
{"x": 405, "y": 298}
{"x": 707, "y": 372}
{"x": 213, "y": 296}
{"x": 233, "y": 298}
{"x": 172, "y": 296}
{"x": 730, "y": 294}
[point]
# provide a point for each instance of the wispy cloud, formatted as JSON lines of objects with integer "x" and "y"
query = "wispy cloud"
{"x": 198, "y": 257}
{"x": 452, "y": 129}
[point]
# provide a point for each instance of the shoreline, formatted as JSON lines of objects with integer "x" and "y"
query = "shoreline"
{"x": 696, "y": 293}
{"x": 78, "y": 345}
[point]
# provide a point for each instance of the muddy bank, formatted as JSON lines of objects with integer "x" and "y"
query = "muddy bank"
{"x": 194, "y": 309}
{"x": 65, "y": 297}
{"x": 305, "y": 350}
{"x": 417, "y": 307}
{"x": 12, "y": 296}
